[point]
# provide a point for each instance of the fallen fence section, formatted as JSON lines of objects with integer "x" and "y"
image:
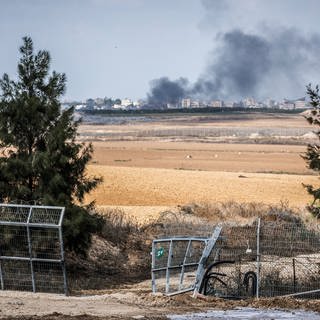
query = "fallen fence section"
{"x": 178, "y": 263}
{"x": 31, "y": 249}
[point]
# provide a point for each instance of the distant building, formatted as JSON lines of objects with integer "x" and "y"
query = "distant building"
{"x": 80, "y": 106}
{"x": 126, "y": 102}
{"x": 228, "y": 104}
{"x": 172, "y": 105}
{"x": 270, "y": 103}
{"x": 215, "y": 104}
{"x": 195, "y": 104}
{"x": 287, "y": 105}
{"x": 99, "y": 102}
{"x": 300, "y": 103}
{"x": 186, "y": 103}
{"x": 90, "y": 103}
{"x": 249, "y": 103}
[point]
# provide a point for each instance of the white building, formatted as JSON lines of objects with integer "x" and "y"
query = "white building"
{"x": 228, "y": 104}
{"x": 126, "y": 102}
{"x": 249, "y": 102}
{"x": 186, "y": 103}
{"x": 300, "y": 103}
{"x": 195, "y": 104}
{"x": 215, "y": 104}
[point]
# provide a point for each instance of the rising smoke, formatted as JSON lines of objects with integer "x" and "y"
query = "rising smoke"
{"x": 273, "y": 62}
{"x": 164, "y": 91}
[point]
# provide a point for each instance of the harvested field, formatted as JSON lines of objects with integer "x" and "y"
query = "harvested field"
{"x": 124, "y": 186}
{"x": 201, "y": 156}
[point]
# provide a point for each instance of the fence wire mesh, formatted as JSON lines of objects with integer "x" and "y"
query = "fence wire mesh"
{"x": 31, "y": 249}
{"x": 264, "y": 259}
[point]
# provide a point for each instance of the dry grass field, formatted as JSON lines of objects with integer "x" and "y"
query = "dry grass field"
{"x": 146, "y": 171}
{"x": 125, "y": 186}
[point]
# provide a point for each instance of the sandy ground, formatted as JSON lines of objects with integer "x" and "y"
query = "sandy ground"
{"x": 128, "y": 303}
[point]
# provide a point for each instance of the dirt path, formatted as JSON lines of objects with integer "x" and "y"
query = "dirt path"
{"x": 134, "y": 302}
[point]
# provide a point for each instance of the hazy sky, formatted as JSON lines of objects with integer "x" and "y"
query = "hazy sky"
{"x": 116, "y": 47}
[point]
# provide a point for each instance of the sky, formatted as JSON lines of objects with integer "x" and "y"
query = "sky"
{"x": 140, "y": 48}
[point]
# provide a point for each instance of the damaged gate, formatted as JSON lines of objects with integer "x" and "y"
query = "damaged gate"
{"x": 178, "y": 264}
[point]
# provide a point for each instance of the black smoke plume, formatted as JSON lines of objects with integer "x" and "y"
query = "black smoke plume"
{"x": 164, "y": 91}
{"x": 278, "y": 64}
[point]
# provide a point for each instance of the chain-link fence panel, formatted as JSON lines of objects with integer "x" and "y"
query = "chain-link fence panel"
{"x": 31, "y": 249}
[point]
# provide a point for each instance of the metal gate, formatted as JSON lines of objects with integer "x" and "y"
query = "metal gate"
{"x": 178, "y": 264}
{"x": 31, "y": 248}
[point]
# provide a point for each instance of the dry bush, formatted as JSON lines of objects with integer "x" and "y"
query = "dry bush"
{"x": 118, "y": 254}
{"x": 243, "y": 213}
{"x": 117, "y": 227}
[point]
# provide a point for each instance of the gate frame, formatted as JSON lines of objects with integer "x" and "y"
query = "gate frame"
{"x": 209, "y": 244}
{"x": 29, "y": 225}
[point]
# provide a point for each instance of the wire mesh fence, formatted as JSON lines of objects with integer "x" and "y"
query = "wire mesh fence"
{"x": 264, "y": 259}
{"x": 31, "y": 248}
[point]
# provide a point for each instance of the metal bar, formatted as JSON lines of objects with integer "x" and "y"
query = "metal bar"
{"x": 28, "y": 259}
{"x": 301, "y": 293}
{"x": 179, "y": 292}
{"x": 61, "y": 217}
{"x": 31, "y": 225}
{"x": 1, "y": 275}
{"x": 168, "y": 266}
{"x": 294, "y": 275}
{"x": 30, "y": 252}
{"x": 63, "y": 265}
{"x": 177, "y": 266}
{"x": 5, "y": 205}
{"x": 29, "y": 206}
{"x": 181, "y": 239}
{"x": 205, "y": 254}
{"x": 183, "y": 265}
{"x": 153, "y": 265}
{"x": 258, "y": 258}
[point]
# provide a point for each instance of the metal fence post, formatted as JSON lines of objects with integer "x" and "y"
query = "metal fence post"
{"x": 153, "y": 265}
{"x": 168, "y": 268}
{"x": 183, "y": 265}
{"x": 258, "y": 258}
{"x": 1, "y": 276}
{"x": 30, "y": 251}
{"x": 206, "y": 252}
{"x": 63, "y": 264}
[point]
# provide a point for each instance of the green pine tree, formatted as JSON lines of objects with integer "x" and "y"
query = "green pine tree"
{"x": 312, "y": 156}
{"x": 41, "y": 161}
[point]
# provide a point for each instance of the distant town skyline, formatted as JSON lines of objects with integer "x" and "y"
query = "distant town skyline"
{"x": 116, "y": 48}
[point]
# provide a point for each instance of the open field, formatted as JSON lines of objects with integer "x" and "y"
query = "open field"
{"x": 257, "y": 158}
{"x": 168, "y": 160}
{"x": 124, "y": 186}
